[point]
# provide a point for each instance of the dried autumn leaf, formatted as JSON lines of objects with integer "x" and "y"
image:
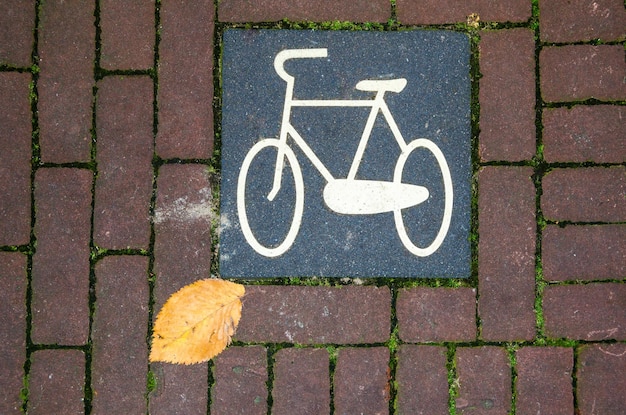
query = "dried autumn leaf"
{"x": 197, "y": 322}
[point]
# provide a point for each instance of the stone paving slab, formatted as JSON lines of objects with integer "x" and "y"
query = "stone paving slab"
{"x": 110, "y": 149}
{"x": 331, "y": 240}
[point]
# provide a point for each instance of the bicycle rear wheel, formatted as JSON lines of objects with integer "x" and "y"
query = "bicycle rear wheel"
{"x": 252, "y": 191}
{"x": 442, "y": 231}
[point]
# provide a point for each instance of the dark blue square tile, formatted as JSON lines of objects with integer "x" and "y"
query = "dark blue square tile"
{"x": 371, "y": 135}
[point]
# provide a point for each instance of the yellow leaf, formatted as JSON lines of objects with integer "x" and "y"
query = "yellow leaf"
{"x": 197, "y": 322}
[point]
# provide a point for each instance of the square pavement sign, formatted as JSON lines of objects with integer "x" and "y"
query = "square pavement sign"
{"x": 345, "y": 154}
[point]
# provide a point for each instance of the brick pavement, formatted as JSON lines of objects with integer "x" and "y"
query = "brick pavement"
{"x": 108, "y": 168}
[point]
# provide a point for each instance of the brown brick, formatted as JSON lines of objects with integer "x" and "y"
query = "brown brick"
{"x": 66, "y": 58}
{"x": 124, "y": 155}
{"x": 56, "y": 382}
{"x": 361, "y": 381}
{"x": 544, "y": 381}
{"x": 12, "y": 330}
{"x": 240, "y": 382}
{"x": 437, "y": 314}
{"x": 593, "y": 252}
{"x": 120, "y": 326}
{"x": 310, "y": 315}
{"x": 185, "y": 70}
{"x": 579, "y": 72}
{"x": 182, "y": 222}
{"x": 507, "y": 95}
{"x": 60, "y": 281}
{"x": 182, "y": 254}
{"x": 593, "y": 194}
{"x": 127, "y": 34}
{"x": 17, "y": 25}
{"x": 580, "y": 20}
{"x": 300, "y": 10}
{"x": 422, "y": 380}
{"x": 585, "y": 312}
{"x": 180, "y": 389}
{"x": 301, "y": 382}
{"x": 484, "y": 376}
{"x": 585, "y": 133}
{"x": 602, "y": 379}
{"x": 506, "y": 253}
{"x": 15, "y": 142}
{"x": 452, "y": 11}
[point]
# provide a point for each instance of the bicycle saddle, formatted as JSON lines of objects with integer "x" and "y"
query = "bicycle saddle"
{"x": 393, "y": 85}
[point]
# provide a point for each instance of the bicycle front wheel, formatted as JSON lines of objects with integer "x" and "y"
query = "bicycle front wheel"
{"x": 277, "y": 221}
{"x": 401, "y": 221}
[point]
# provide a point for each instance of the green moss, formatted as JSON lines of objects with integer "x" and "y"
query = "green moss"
{"x": 453, "y": 379}
{"x": 24, "y": 393}
{"x": 151, "y": 382}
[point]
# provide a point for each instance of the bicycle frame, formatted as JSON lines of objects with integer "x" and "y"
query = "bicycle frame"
{"x": 377, "y": 104}
{"x": 349, "y": 196}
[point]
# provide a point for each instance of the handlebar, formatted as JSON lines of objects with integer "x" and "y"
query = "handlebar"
{"x": 287, "y": 54}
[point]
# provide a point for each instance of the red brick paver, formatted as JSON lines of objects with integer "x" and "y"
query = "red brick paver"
{"x": 506, "y": 253}
{"x": 422, "y": 380}
{"x": 451, "y": 11}
{"x": 66, "y": 80}
{"x": 56, "y": 381}
{"x": 317, "y": 10}
{"x": 15, "y": 142}
{"x": 436, "y": 315}
{"x": 17, "y": 22}
{"x": 181, "y": 221}
{"x": 362, "y": 381}
{"x": 179, "y": 389}
{"x": 12, "y": 330}
{"x": 581, "y": 20}
{"x": 185, "y": 73}
{"x": 507, "y": 95}
{"x": 60, "y": 304}
{"x": 585, "y": 133}
{"x": 120, "y": 326}
{"x": 579, "y": 72}
{"x": 301, "y": 382}
{"x": 240, "y": 381}
{"x": 312, "y": 315}
{"x": 594, "y": 194}
{"x": 601, "y": 379}
{"x": 544, "y": 381}
{"x": 595, "y": 252}
{"x": 124, "y": 154}
{"x": 586, "y": 312}
{"x": 127, "y": 34}
{"x": 484, "y": 380}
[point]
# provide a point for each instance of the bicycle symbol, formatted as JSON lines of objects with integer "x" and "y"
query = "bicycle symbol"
{"x": 349, "y": 196}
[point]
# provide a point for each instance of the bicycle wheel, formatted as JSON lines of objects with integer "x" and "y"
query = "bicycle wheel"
{"x": 262, "y": 159}
{"x": 447, "y": 194}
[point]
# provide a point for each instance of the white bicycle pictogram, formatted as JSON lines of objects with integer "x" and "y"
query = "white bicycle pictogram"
{"x": 350, "y": 196}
